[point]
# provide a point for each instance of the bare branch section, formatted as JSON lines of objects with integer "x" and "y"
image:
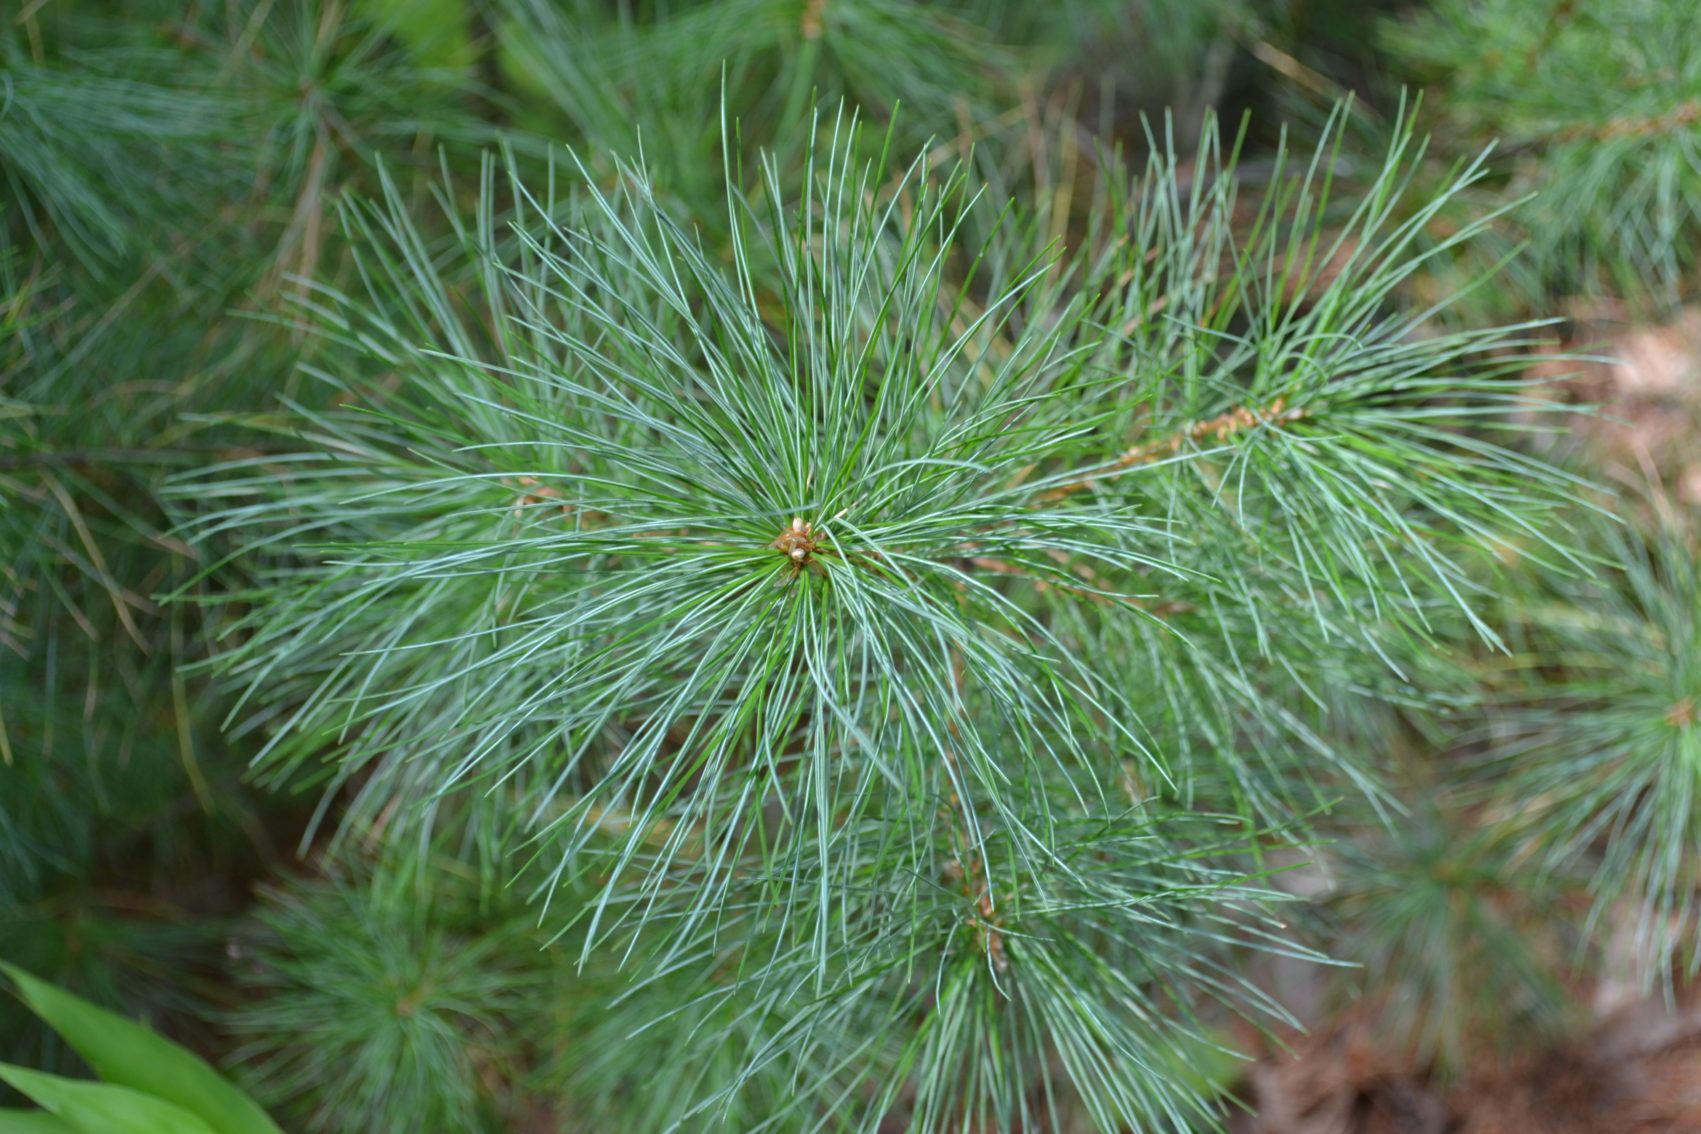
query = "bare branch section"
{"x": 813, "y": 21}
{"x": 966, "y": 870}
{"x": 1221, "y": 427}
{"x": 1678, "y": 118}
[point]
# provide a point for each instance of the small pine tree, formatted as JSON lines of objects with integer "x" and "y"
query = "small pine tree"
{"x": 761, "y": 622}
{"x": 898, "y": 652}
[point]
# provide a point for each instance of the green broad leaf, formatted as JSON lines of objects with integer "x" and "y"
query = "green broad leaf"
{"x": 102, "y": 1108}
{"x": 33, "y": 1122}
{"x": 125, "y": 1053}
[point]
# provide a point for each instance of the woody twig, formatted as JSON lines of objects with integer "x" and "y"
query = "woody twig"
{"x": 1221, "y": 427}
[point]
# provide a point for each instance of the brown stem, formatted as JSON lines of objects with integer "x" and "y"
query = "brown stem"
{"x": 813, "y": 21}
{"x": 1222, "y": 427}
{"x": 968, "y": 866}
{"x": 1686, "y": 113}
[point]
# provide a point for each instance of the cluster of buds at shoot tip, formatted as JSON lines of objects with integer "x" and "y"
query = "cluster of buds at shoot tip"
{"x": 799, "y": 545}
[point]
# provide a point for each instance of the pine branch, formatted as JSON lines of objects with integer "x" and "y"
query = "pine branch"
{"x": 753, "y": 589}
{"x": 1221, "y": 427}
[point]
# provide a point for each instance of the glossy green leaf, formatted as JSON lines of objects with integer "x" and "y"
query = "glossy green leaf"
{"x": 124, "y": 1052}
{"x": 102, "y": 1108}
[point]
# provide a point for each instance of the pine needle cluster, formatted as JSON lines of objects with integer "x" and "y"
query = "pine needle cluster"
{"x": 827, "y": 622}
